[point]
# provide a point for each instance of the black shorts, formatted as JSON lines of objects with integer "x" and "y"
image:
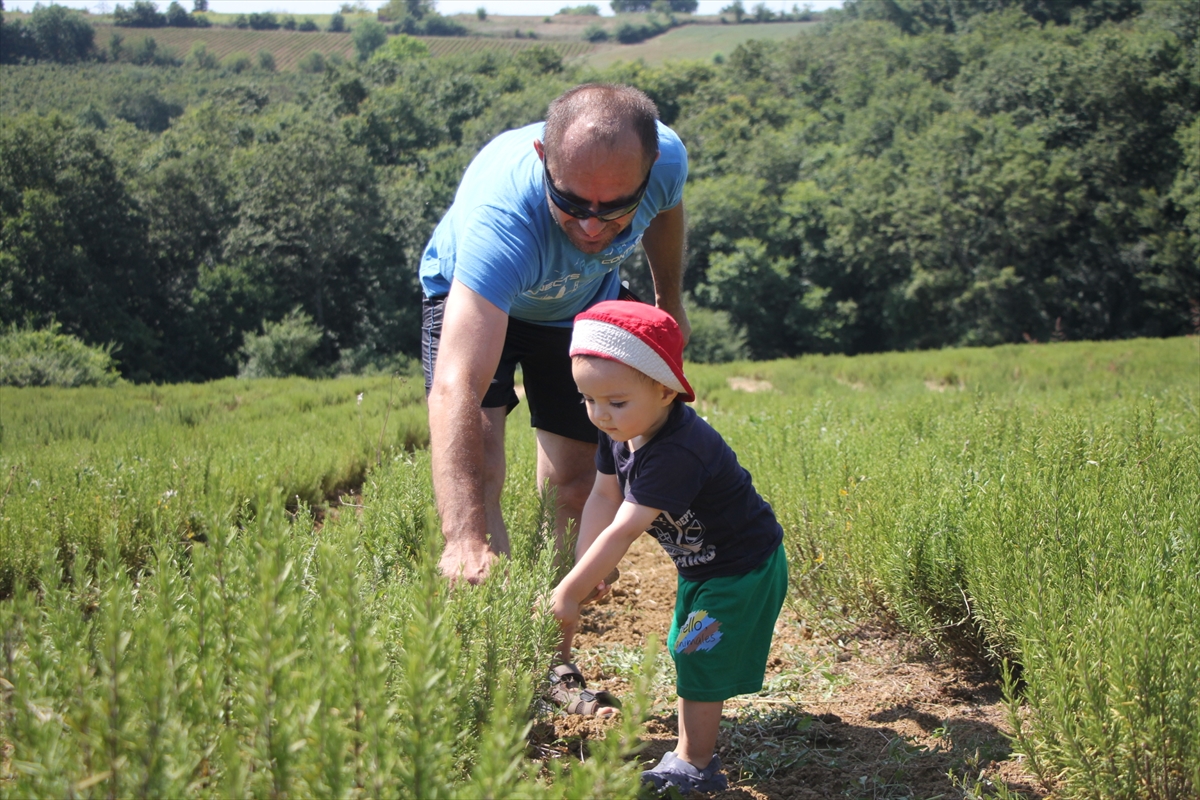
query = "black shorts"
{"x": 542, "y": 351}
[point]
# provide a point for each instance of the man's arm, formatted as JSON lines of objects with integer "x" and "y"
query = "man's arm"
{"x": 664, "y": 245}
{"x": 473, "y": 331}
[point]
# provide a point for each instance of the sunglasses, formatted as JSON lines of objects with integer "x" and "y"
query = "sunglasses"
{"x": 579, "y": 209}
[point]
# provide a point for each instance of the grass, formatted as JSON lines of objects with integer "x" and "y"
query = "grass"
{"x": 189, "y": 611}
{"x": 148, "y": 464}
{"x": 1036, "y": 503}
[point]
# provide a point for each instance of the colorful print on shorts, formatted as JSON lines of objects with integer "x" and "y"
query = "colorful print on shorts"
{"x": 700, "y": 632}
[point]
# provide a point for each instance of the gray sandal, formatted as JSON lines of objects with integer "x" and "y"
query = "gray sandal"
{"x": 674, "y": 771}
{"x": 569, "y": 692}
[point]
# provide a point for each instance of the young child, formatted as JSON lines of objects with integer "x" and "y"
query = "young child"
{"x": 664, "y": 471}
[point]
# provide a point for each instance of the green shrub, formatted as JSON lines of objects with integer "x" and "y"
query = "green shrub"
{"x": 145, "y": 52}
{"x": 314, "y": 62}
{"x": 237, "y": 62}
{"x": 50, "y": 358}
{"x": 307, "y": 25}
{"x": 400, "y": 47}
{"x": 595, "y": 33}
{"x": 201, "y": 57}
{"x": 266, "y": 60}
{"x": 283, "y": 348}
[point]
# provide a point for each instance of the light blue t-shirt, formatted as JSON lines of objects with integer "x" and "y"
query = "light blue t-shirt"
{"x": 499, "y": 239}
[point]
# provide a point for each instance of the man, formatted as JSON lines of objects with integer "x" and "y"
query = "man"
{"x": 541, "y": 222}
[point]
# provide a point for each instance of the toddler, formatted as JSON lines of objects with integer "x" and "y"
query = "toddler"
{"x": 664, "y": 471}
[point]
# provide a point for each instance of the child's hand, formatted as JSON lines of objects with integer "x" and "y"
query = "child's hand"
{"x": 565, "y": 610}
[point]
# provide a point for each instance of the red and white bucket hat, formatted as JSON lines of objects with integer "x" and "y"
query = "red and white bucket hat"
{"x": 637, "y": 335}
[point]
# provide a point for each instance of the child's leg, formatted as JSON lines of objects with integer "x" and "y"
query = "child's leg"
{"x": 568, "y": 638}
{"x": 698, "y": 726}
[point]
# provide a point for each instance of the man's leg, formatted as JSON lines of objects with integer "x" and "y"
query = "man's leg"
{"x": 569, "y": 467}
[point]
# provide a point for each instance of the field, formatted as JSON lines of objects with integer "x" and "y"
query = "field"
{"x": 288, "y": 47}
{"x": 228, "y": 589}
{"x": 700, "y": 41}
{"x": 695, "y": 42}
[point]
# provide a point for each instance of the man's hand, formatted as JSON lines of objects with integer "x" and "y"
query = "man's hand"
{"x": 466, "y": 561}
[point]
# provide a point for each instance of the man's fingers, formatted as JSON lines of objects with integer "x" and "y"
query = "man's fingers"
{"x": 466, "y": 567}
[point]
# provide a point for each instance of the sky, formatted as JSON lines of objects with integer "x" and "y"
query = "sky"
{"x": 535, "y": 8}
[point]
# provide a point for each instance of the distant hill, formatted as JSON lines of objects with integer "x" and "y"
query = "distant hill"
{"x": 288, "y": 47}
{"x": 696, "y": 41}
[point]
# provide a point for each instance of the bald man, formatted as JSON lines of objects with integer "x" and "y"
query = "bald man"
{"x": 541, "y": 223}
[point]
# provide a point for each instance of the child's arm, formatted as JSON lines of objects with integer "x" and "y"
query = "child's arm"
{"x": 603, "y": 553}
{"x": 599, "y": 510}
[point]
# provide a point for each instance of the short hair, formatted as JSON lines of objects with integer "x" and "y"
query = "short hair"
{"x": 582, "y": 358}
{"x": 612, "y": 108}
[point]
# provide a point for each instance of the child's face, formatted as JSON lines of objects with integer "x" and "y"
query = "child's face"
{"x": 621, "y": 401}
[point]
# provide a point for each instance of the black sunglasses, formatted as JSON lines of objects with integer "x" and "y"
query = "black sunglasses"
{"x": 606, "y": 212}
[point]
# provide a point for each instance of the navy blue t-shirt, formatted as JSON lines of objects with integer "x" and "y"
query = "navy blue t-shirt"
{"x": 713, "y": 523}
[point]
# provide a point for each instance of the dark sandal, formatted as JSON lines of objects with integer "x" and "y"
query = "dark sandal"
{"x": 569, "y": 691}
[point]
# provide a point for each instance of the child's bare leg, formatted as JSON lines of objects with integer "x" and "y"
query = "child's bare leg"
{"x": 698, "y": 726}
{"x": 568, "y": 638}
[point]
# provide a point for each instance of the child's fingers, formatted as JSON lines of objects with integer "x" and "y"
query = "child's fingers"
{"x": 604, "y": 587}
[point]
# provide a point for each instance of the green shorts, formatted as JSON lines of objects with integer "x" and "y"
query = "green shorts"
{"x": 722, "y": 631}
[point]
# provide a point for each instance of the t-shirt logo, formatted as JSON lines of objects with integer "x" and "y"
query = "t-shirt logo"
{"x": 700, "y": 632}
{"x": 618, "y": 253}
{"x": 683, "y": 539}
{"x": 679, "y": 537}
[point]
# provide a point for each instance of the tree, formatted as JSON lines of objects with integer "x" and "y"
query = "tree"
{"x": 737, "y": 8}
{"x": 263, "y": 22}
{"x": 337, "y": 24}
{"x": 73, "y": 244}
{"x": 142, "y": 14}
{"x": 199, "y": 6}
{"x": 368, "y": 37}
{"x": 308, "y": 219}
{"x": 60, "y": 34}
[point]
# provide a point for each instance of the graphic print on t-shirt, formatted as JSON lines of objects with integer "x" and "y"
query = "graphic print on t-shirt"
{"x": 700, "y": 632}
{"x": 682, "y": 538}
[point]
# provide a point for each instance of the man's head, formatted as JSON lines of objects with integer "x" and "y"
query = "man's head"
{"x": 599, "y": 145}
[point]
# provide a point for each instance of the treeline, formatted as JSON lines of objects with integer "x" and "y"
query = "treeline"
{"x": 914, "y": 174}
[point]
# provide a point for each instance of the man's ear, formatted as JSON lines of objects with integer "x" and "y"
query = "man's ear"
{"x": 541, "y": 151}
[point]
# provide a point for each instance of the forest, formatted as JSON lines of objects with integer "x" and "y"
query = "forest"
{"x": 909, "y": 175}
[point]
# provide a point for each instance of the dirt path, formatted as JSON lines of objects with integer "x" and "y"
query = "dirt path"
{"x": 864, "y": 713}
